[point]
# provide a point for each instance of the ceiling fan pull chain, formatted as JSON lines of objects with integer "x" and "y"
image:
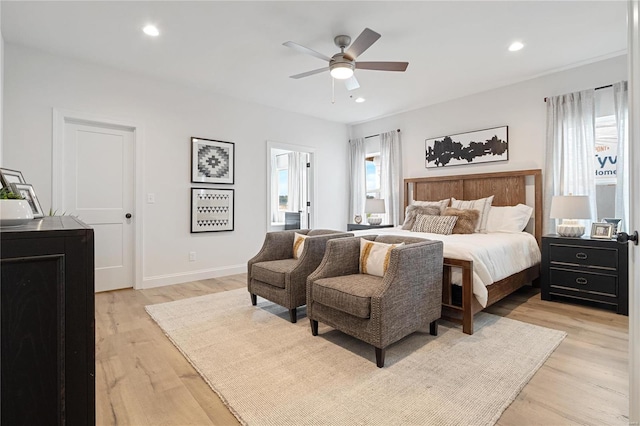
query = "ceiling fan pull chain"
{"x": 333, "y": 90}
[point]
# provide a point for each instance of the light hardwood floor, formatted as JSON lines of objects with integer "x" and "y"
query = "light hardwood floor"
{"x": 142, "y": 379}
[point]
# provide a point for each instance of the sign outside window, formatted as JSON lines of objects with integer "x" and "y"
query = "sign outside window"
{"x": 606, "y": 159}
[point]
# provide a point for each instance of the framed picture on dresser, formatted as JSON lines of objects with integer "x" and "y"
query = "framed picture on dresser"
{"x": 602, "y": 231}
{"x": 28, "y": 193}
{"x": 9, "y": 176}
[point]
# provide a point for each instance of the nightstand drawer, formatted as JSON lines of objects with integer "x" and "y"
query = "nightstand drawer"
{"x": 593, "y": 257}
{"x": 583, "y": 281}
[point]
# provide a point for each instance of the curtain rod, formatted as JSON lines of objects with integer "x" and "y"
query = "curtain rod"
{"x": 373, "y": 136}
{"x": 597, "y": 88}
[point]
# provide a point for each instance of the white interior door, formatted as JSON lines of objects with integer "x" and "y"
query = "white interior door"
{"x": 98, "y": 187}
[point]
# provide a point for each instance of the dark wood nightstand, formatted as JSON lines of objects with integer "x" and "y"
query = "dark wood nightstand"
{"x": 586, "y": 269}
{"x": 360, "y": 226}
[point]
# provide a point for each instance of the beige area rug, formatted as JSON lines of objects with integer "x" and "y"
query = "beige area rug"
{"x": 271, "y": 372}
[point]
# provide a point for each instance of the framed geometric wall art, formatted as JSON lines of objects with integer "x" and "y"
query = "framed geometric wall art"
{"x": 480, "y": 146}
{"x": 211, "y": 210}
{"x": 212, "y": 161}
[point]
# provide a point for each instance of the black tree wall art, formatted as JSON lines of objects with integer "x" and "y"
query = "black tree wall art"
{"x": 480, "y": 146}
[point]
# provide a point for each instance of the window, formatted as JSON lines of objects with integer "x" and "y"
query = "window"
{"x": 606, "y": 155}
{"x": 289, "y": 186}
{"x": 282, "y": 167}
{"x": 372, "y": 172}
{"x": 606, "y": 150}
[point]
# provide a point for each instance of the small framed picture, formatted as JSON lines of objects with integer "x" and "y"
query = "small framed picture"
{"x": 8, "y": 176}
{"x": 602, "y": 231}
{"x": 212, "y": 161}
{"x": 211, "y": 210}
{"x": 27, "y": 192}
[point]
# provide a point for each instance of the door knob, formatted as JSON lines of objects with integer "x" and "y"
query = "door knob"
{"x": 623, "y": 237}
{"x": 128, "y": 215}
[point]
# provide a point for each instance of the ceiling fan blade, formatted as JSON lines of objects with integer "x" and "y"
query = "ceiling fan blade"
{"x": 302, "y": 49}
{"x": 362, "y": 43}
{"x": 308, "y": 73}
{"x": 382, "y": 66}
{"x": 352, "y": 83}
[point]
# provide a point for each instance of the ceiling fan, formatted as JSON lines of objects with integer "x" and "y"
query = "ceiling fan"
{"x": 342, "y": 65}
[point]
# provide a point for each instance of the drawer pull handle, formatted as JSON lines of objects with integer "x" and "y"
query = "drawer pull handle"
{"x": 581, "y": 255}
{"x": 581, "y": 281}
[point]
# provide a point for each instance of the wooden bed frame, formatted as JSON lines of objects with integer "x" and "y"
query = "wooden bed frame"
{"x": 508, "y": 189}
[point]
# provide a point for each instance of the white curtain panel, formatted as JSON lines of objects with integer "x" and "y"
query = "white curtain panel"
{"x": 391, "y": 176}
{"x": 569, "y": 166}
{"x": 621, "y": 97}
{"x": 358, "y": 189}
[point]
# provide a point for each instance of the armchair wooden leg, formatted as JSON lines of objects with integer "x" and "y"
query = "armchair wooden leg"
{"x": 380, "y": 357}
{"x": 314, "y": 327}
{"x": 293, "y": 315}
{"x": 433, "y": 328}
{"x": 254, "y": 299}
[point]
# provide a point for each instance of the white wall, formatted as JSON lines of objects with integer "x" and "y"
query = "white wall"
{"x": 36, "y": 82}
{"x": 520, "y": 106}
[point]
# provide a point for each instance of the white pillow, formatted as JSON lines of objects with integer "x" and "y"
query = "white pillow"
{"x": 374, "y": 257}
{"x": 483, "y": 205}
{"x": 298, "y": 244}
{"x": 442, "y": 204}
{"x": 509, "y": 219}
{"x": 434, "y": 224}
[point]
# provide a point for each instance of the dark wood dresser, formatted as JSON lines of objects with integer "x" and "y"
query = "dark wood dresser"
{"x": 47, "y": 365}
{"x": 586, "y": 269}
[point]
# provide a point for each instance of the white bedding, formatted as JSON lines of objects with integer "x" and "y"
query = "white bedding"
{"x": 495, "y": 255}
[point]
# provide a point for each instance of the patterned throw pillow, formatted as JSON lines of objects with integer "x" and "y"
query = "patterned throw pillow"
{"x": 434, "y": 224}
{"x": 374, "y": 257}
{"x": 467, "y": 220}
{"x": 298, "y": 244}
{"x": 483, "y": 205}
{"x": 413, "y": 210}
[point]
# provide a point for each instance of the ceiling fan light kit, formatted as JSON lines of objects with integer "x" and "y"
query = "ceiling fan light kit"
{"x": 342, "y": 65}
{"x": 341, "y": 70}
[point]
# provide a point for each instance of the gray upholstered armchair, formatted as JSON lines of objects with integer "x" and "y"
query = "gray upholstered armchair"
{"x": 377, "y": 310}
{"x": 274, "y": 274}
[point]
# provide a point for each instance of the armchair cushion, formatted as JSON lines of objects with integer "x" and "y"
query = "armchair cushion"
{"x": 347, "y": 293}
{"x": 273, "y": 271}
{"x": 374, "y": 257}
{"x": 298, "y": 244}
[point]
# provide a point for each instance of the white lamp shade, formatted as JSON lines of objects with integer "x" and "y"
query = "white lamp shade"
{"x": 374, "y": 205}
{"x": 570, "y": 207}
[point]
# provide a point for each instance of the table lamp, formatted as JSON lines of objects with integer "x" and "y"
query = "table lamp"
{"x": 570, "y": 208}
{"x": 374, "y": 205}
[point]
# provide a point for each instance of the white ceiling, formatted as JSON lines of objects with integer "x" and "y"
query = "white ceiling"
{"x": 454, "y": 48}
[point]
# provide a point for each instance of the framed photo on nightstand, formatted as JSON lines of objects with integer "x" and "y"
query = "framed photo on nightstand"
{"x": 603, "y": 231}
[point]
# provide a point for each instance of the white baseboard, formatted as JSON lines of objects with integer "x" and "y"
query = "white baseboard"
{"x": 185, "y": 277}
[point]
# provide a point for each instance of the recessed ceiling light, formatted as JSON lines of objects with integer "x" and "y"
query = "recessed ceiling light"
{"x": 360, "y": 100}
{"x": 151, "y": 30}
{"x": 515, "y": 46}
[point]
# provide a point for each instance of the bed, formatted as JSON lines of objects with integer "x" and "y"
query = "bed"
{"x": 509, "y": 189}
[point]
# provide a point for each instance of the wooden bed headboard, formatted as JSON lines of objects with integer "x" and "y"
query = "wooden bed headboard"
{"x": 508, "y": 189}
